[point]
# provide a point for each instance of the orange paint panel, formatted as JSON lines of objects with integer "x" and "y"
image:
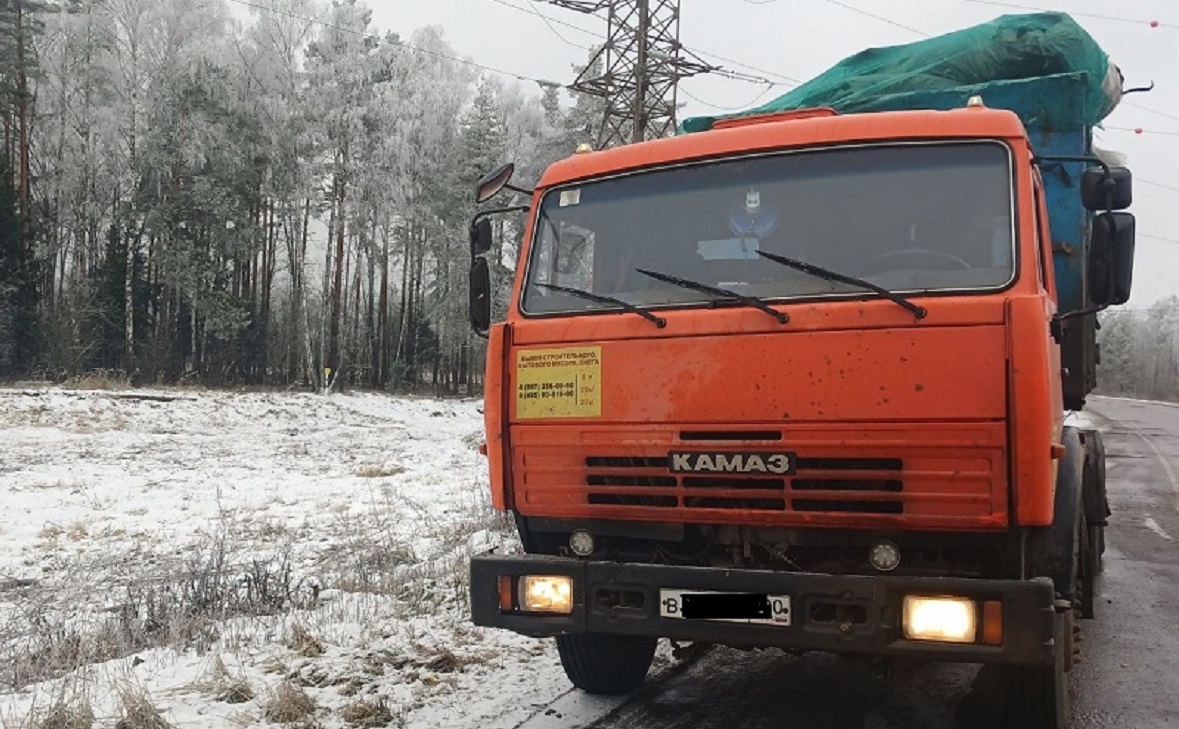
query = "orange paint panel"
{"x": 494, "y": 421}
{"x": 816, "y": 131}
{"x": 816, "y": 315}
{"x": 1036, "y": 409}
{"x": 919, "y": 373}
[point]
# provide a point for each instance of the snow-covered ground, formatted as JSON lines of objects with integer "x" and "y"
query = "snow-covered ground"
{"x": 185, "y": 545}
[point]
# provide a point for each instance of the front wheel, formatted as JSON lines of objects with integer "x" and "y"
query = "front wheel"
{"x": 599, "y": 663}
{"x": 1036, "y": 697}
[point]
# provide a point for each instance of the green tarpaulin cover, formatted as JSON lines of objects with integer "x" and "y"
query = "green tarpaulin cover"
{"x": 1042, "y": 66}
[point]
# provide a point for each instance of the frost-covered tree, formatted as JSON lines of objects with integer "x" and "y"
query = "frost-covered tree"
{"x": 1140, "y": 351}
{"x": 252, "y": 200}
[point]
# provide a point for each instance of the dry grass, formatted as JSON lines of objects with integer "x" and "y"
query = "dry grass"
{"x": 181, "y": 607}
{"x": 367, "y": 714}
{"x": 301, "y": 641}
{"x": 98, "y": 380}
{"x": 382, "y": 471}
{"x": 136, "y": 710}
{"x": 288, "y": 704}
{"x": 220, "y": 684}
{"x": 73, "y": 713}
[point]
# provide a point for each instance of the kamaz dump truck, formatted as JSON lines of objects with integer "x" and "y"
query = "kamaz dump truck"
{"x": 798, "y": 378}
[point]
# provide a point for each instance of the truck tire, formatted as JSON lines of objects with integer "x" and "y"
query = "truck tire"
{"x": 599, "y": 663}
{"x": 1096, "y": 497}
{"x": 1036, "y": 697}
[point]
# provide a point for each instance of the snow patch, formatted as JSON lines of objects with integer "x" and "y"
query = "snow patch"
{"x": 319, "y": 542}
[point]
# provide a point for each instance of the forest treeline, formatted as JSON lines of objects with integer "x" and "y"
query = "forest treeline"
{"x": 191, "y": 194}
{"x": 1140, "y": 352}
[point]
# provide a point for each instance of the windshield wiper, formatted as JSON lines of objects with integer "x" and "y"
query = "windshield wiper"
{"x": 918, "y": 311}
{"x": 705, "y": 288}
{"x": 603, "y": 299}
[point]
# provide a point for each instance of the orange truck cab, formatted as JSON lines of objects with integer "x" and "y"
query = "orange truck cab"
{"x": 797, "y": 382}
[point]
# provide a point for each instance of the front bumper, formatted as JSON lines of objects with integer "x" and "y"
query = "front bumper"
{"x": 858, "y": 615}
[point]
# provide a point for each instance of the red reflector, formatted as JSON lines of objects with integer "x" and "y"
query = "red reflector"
{"x": 993, "y": 622}
{"x": 506, "y": 593}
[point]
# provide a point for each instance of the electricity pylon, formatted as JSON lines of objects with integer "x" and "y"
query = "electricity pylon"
{"x": 641, "y": 65}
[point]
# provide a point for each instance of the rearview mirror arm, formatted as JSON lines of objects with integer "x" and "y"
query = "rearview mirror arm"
{"x": 1039, "y": 159}
{"x": 1107, "y": 183}
{"x": 499, "y": 211}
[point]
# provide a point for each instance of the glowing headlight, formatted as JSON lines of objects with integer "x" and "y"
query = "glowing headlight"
{"x": 945, "y": 619}
{"x": 546, "y": 594}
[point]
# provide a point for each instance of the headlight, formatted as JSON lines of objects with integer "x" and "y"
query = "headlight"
{"x": 546, "y": 594}
{"x": 945, "y": 619}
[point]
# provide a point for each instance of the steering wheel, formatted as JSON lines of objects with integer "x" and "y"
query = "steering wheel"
{"x": 923, "y": 252}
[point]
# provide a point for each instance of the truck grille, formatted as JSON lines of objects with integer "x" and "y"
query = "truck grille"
{"x": 874, "y": 489}
{"x": 913, "y": 476}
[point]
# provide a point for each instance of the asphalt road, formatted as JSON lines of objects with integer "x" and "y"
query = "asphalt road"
{"x": 1129, "y": 675}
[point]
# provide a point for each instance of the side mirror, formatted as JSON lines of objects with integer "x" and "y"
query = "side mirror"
{"x": 1102, "y": 193}
{"x": 1111, "y": 259}
{"x": 490, "y": 184}
{"x": 480, "y": 304}
{"x": 480, "y": 237}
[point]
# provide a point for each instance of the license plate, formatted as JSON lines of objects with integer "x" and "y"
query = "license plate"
{"x": 729, "y": 607}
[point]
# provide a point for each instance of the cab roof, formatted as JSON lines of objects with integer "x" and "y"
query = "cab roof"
{"x": 793, "y": 130}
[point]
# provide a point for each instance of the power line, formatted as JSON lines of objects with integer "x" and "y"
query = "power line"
{"x": 1158, "y": 237}
{"x": 718, "y": 57}
{"x": 881, "y": 18}
{"x": 549, "y": 23}
{"x": 1141, "y": 130}
{"x": 742, "y": 107}
{"x": 1114, "y": 18}
{"x": 1156, "y": 184}
{"x": 854, "y": 10}
{"x": 400, "y": 44}
{"x": 553, "y": 22}
{"x": 736, "y": 76}
{"x": 1151, "y": 111}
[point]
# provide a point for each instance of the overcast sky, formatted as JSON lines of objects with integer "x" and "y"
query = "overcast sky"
{"x": 801, "y": 38}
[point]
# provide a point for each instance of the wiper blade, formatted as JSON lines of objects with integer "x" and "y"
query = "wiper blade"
{"x": 918, "y": 311}
{"x": 715, "y": 291}
{"x": 603, "y": 299}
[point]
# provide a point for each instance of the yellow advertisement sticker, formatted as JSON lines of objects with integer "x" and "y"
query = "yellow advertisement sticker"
{"x": 559, "y": 383}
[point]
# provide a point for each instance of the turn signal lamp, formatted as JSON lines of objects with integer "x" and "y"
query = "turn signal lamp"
{"x": 546, "y": 594}
{"x": 942, "y": 619}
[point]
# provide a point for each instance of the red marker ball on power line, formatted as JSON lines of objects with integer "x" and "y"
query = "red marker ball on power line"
{"x": 1138, "y": 130}
{"x": 1154, "y": 23}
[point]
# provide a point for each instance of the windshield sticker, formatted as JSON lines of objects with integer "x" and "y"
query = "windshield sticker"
{"x": 729, "y": 249}
{"x": 559, "y": 383}
{"x": 570, "y": 197}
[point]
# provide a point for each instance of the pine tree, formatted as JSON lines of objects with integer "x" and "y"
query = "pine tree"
{"x": 18, "y": 282}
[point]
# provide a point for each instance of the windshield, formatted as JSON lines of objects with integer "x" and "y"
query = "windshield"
{"x": 909, "y": 218}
